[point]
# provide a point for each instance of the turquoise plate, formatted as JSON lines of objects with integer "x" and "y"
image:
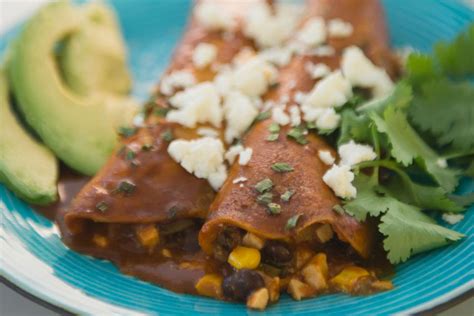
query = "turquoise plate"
{"x": 33, "y": 257}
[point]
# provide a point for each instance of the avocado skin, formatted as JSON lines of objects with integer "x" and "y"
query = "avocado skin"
{"x": 27, "y": 168}
{"x": 81, "y": 131}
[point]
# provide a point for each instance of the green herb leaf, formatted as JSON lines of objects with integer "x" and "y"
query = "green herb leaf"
{"x": 287, "y": 195}
{"x": 455, "y": 58}
{"x": 407, "y": 146}
{"x": 274, "y": 208}
{"x": 274, "y": 128}
{"x": 272, "y": 137}
{"x": 298, "y": 134}
{"x": 282, "y": 167}
{"x": 167, "y": 135}
{"x": 127, "y": 131}
{"x": 102, "y": 206}
{"x": 130, "y": 155}
{"x": 354, "y": 127}
{"x": 159, "y": 111}
{"x": 292, "y": 222}
{"x": 126, "y": 187}
{"x": 400, "y": 98}
{"x": 264, "y": 185}
{"x": 409, "y": 231}
{"x": 265, "y": 198}
{"x": 446, "y": 109}
{"x": 263, "y": 116}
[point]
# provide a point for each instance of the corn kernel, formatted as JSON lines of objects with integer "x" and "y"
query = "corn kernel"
{"x": 253, "y": 241}
{"x": 210, "y": 285}
{"x": 148, "y": 235}
{"x": 348, "y": 277}
{"x": 100, "y": 241}
{"x": 244, "y": 258}
{"x": 258, "y": 299}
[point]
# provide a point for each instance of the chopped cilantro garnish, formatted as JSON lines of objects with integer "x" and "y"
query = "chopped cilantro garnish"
{"x": 273, "y": 137}
{"x": 274, "y": 128}
{"x": 264, "y": 185}
{"x": 292, "y": 221}
{"x": 159, "y": 111}
{"x": 287, "y": 195}
{"x": 126, "y": 187}
{"x": 298, "y": 134}
{"x": 282, "y": 167}
{"x": 263, "y": 116}
{"x": 130, "y": 155}
{"x": 265, "y": 198}
{"x": 167, "y": 135}
{"x": 102, "y": 206}
{"x": 274, "y": 208}
{"x": 127, "y": 131}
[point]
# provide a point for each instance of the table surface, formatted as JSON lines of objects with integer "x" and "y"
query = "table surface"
{"x": 13, "y": 303}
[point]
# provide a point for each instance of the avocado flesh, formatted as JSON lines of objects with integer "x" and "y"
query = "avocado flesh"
{"x": 27, "y": 167}
{"x": 80, "y": 130}
{"x": 94, "y": 58}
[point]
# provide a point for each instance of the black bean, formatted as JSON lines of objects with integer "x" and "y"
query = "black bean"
{"x": 239, "y": 285}
{"x": 276, "y": 253}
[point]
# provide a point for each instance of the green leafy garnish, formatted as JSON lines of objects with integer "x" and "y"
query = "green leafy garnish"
{"x": 298, "y": 134}
{"x": 159, "y": 111}
{"x": 265, "y": 198}
{"x": 147, "y": 147}
{"x": 127, "y": 131}
{"x": 167, "y": 135}
{"x": 264, "y": 185}
{"x": 102, "y": 206}
{"x": 126, "y": 187}
{"x": 282, "y": 167}
{"x": 272, "y": 137}
{"x": 263, "y": 116}
{"x": 274, "y": 208}
{"x": 292, "y": 221}
{"x": 287, "y": 195}
{"x": 274, "y": 128}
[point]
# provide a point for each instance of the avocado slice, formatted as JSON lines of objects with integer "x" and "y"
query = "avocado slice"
{"x": 81, "y": 130}
{"x": 94, "y": 59}
{"x": 27, "y": 167}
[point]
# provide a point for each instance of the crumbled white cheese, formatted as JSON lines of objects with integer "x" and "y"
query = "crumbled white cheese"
{"x": 452, "y": 219}
{"x": 203, "y": 157}
{"x": 332, "y": 91}
{"x": 313, "y": 32}
{"x": 245, "y": 54}
{"x": 280, "y": 117}
{"x": 339, "y": 179}
{"x": 361, "y": 72}
{"x": 239, "y": 180}
{"x": 204, "y": 54}
{"x": 339, "y": 28}
{"x": 245, "y": 156}
{"x": 254, "y": 76}
{"x": 223, "y": 80}
{"x": 442, "y": 163}
{"x": 300, "y": 97}
{"x": 325, "y": 119}
{"x": 352, "y": 153}
{"x": 207, "y": 131}
{"x": 268, "y": 29}
{"x": 239, "y": 113}
{"x": 326, "y": 157}
{"x": 295, "y": 115}
{"x": 233, "y": 152}
{"x": 198, "y": 104}
{"x": 279, "y": 56}
{"x": 175, "y": 80}
{"x": 211, "y": 15}
{"x": 323, "y": 51}
{"x": 318, "y": 70}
